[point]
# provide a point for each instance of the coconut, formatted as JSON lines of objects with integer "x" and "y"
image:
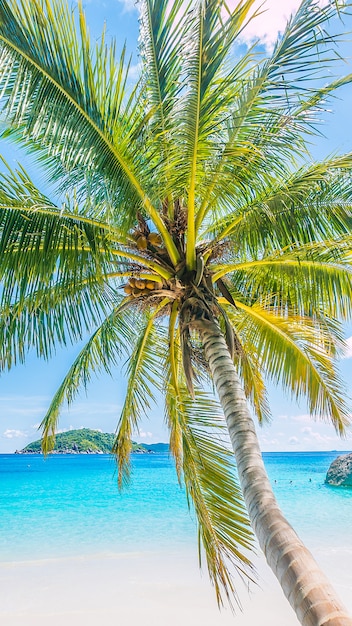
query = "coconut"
{"x": 154, "y": 239}
{"x": 142, "y": 243}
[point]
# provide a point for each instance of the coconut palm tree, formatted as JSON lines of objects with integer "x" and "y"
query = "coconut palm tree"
{"x": 191, "y": 232}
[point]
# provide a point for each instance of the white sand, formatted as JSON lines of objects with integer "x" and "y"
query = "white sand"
{"x": 153, "y": 589}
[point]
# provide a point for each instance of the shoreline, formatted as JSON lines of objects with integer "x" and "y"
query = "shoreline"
{"x": 142, "y": 587}
{"x": 148, "y": 449}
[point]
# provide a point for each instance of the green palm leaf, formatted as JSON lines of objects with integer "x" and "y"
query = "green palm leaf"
{"x": 307, "y": 369}
{"x": 61, "y": 313}
{"x": 313, "y": 201}
{"x": 102, "y": 351}
{"x": 210, "y": 482}
{"x": 44, "y": 60}
{"x": 199, "y": 446}
{"x": 301, "y": 277}
{"x": 162, "y": 30}
{"x": 143, "y": 371}
{"x": 209, "y": 41}
{"x": 276, "y": 107}
{"x": 41, "y": 44}
{"x": 298, "y": 281}
{"x": 40, "y": 243}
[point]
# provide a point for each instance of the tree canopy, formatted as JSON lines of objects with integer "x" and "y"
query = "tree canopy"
{"x": 190, "y": 194}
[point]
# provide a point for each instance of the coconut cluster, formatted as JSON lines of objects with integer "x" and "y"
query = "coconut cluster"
{"x": 138, "y": 287}
{"x": 143, "y": 241}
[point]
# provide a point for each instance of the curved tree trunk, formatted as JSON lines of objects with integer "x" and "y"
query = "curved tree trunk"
{"x": 304, "y": 584}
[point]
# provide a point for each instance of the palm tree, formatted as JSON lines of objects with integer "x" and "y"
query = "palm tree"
{"x": 191, "y": 232}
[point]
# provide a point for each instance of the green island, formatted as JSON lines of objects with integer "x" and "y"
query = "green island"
{"x": 88, "y": 441}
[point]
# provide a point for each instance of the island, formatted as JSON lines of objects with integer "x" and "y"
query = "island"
{"x": 88, "y": 441}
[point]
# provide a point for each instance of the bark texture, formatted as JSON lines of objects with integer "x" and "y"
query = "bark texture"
{"x": 305, "y": 586}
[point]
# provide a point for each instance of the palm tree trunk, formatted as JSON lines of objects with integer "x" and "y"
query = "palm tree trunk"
{"x": 304, "y": 584}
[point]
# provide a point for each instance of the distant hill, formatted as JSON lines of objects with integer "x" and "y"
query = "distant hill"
{"x": 87, "y": 441}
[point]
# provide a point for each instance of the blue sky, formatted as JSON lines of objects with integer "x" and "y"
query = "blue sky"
{"x": 25, "y": 392}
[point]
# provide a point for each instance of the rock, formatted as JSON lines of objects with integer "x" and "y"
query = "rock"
{"x": 340, "y": 471}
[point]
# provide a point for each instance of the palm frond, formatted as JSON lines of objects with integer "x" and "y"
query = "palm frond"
{"x": 143, "y": 376}
{"x": 277, "y": 107}
{"x": 209, "y": 41}
{"x": 102, "y": 351}
{"x": 162, "y": 28}
{"x": 173, "y": 368}
{"x": 305, "y": 279}
{"x": 203, "y": 459}
{"x": 62, "y": 95}
{"x": 46, "y": 61}
{"x": 307, "y": 369}
{"x": 313, "y": 202}
{"x": 61, "y": 313}
{"x": 41, "y": 243}
{"x": 211, "y": 487}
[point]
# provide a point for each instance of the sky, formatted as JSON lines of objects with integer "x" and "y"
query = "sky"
{"x": 26, "y": 391}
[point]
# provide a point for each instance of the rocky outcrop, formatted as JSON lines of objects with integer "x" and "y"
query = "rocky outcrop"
{"x": 73, "y": 450}
{"x": 340, "y": 471}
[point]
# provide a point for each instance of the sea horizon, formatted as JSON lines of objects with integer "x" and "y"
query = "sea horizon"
{"x": 330, "y": 451}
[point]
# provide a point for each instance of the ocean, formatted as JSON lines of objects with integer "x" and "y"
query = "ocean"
{"x": 69, "y": 505}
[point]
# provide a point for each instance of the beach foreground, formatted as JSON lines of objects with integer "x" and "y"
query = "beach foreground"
{"x": 76, "y": 552}
{"x": 149, "y": 587}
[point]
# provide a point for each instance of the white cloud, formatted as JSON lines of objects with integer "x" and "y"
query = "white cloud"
{"x": 65, "y": 430}
{"x": 316, "y": 436}
{"x": 305, "y": 418}
{"x": 272, "y": 20}
{"x": 145, "y": 434}
{"x": 11, "y": 433}
{"x": 293, "y": 441}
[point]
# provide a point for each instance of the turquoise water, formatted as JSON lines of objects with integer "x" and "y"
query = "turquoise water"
{"x": 69, "y": 505}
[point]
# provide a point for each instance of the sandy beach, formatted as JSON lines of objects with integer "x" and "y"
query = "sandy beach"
{"x": 150, "y": 588}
